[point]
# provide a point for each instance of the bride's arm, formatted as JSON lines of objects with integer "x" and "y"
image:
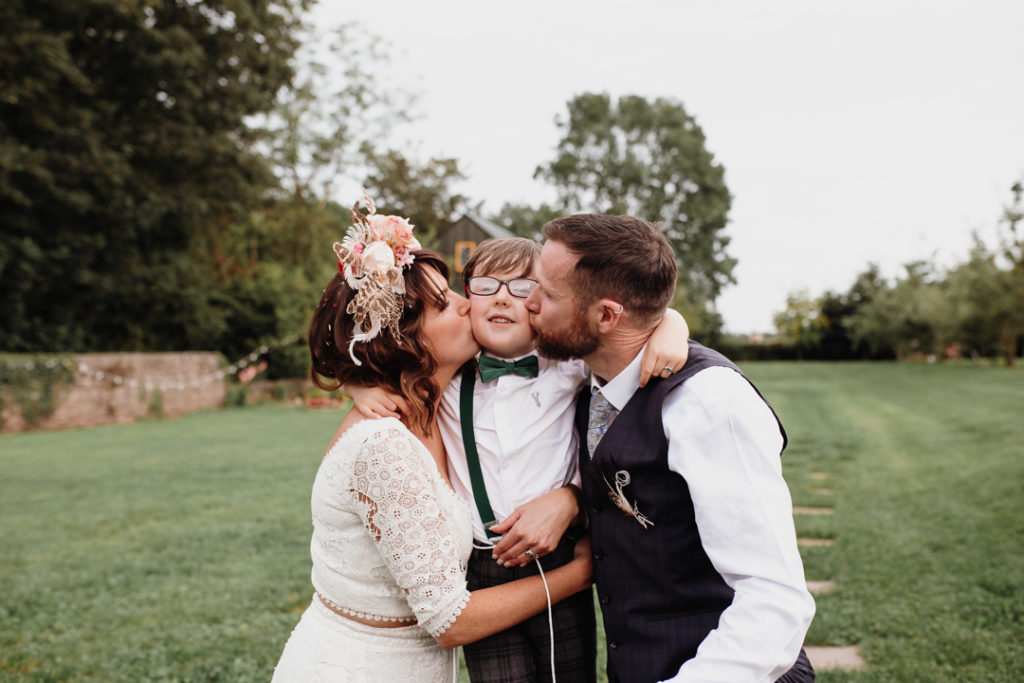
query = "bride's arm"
{"x": 418, "y": 544}
{"x": 492, "y": 610}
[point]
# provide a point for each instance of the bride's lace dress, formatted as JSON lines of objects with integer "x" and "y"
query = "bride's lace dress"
{"x": 390, "y": 543}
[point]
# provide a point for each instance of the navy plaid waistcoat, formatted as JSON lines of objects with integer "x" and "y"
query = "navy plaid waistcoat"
{"x": 660, "y": 596}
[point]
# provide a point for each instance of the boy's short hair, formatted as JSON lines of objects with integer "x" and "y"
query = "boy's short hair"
{"x": 511, "y": 254}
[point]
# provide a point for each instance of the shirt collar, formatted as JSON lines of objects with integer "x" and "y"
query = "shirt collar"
{"x": 619, "y": 389}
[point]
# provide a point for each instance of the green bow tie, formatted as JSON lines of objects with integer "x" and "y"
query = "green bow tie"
{"x": 492, "y": 368}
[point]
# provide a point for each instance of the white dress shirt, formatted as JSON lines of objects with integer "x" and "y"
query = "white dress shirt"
{"x": 724, "y": 441}
{"x": 524, "y": 436}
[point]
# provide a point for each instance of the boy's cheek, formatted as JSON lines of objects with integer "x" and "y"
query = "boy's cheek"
{"x": 476, "y": 322}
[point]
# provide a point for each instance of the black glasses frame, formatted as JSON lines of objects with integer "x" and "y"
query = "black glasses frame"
{"x": 507, "y": 283}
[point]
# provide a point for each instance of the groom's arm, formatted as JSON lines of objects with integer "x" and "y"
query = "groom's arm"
{"x": 724, "y": 440}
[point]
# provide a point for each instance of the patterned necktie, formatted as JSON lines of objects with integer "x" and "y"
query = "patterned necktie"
{"x": 602, "y": 413}
{"x": 492, "y": 368}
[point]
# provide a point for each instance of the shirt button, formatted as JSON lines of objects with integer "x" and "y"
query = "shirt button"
{"x": 605, "y": 599}
{"x": 597, "y": 555}
{"x": 613, "y": 645}
{"x": 596, "y": 509}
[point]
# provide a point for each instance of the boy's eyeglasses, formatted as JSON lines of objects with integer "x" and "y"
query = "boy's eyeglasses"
{"x": 484, "y": 285}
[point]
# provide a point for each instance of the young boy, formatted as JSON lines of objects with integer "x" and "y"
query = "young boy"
{"x": 522, "y": 431}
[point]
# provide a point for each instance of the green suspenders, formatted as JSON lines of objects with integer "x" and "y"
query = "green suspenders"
{"x": 476, "y": 476}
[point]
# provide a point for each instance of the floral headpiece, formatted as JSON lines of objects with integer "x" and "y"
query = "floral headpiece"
{"x": 371, "y": 257}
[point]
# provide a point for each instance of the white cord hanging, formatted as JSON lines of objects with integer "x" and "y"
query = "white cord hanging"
{"x": 547, "y": 593}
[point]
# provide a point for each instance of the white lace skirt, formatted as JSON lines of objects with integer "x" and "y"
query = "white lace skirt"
{"x": 328, "y": 648}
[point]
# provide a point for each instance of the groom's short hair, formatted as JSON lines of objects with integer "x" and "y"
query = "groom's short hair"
{"x": 620, "y": 257}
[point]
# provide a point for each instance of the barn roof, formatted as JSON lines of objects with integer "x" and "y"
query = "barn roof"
{"x": 492, "y": 229}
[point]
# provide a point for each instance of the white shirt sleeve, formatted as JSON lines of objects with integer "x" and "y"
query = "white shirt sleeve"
{"x": 393, "y": 497}
{"x": 725, "y": 442}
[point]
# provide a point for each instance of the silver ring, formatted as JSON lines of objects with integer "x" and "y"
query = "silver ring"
{"x": 667, "y": 368}
{"x": 532, "y": 555}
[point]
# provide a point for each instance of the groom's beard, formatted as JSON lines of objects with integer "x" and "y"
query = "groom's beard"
{"x": 573, "y": 341}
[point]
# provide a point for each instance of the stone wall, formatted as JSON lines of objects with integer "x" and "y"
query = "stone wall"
{"x": 123, "y": 387}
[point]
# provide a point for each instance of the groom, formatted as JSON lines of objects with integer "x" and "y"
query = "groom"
{"x": 695, "y": 557}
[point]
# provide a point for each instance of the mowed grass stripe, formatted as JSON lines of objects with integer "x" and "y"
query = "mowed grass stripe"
{"x": 170, "y": 550}
{"x": 926, "y": 464}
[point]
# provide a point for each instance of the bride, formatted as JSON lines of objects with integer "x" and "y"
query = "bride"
{"x": 390, "y": 536}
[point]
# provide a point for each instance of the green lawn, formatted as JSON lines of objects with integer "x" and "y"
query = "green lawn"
{"x": 926, "y": 470}
{"x": 178, "y": 549}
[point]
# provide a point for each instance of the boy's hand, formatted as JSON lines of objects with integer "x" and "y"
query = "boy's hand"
{"x": 537, "y": 525}
{"x": 667, "y": 349}
{"x": 374, "y": 402}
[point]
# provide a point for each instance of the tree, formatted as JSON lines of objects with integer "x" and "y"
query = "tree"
{"x": 909, "y": 318}
{"x": 420, "y": 192}
{"x": 1013, "y": 276}
{"x": 801, "y": 323}
{"x": 838, "y": 308}
{"x": 123, "y": 135}
{"x": 328, "y": 133}
{"x": 980, "y": 305}
{"x": 525, "y": 220}
{"x": 648, "y": 158}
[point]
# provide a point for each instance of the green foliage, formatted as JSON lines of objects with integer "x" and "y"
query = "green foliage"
{"x": 237, "y": 396}
{"x": 281, "y": 391}
{"x": 272, "y": 264}
{"x": 704, "y": 320}
{"x": 802, "y": 322}
{"x": 156, "y": 404}
{"x": 326, "y": 125}
{"x": 908, "y": 317}
{"x": 32, "y": 382}
{"x": 123, "y": 135}
{"x": 649, "y": 159}
{"x": 422, "y": 193}
{"x": 525, "y": 220}
{"x": 975, "y": 307}
{"x": 166, "y": 171}
{"x": 981, "y": 301}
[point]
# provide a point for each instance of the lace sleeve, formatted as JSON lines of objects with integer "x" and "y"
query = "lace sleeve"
{"x": 395, "y": 499}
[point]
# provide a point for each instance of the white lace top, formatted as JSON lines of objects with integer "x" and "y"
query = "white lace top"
{"x": 390, "y": 538}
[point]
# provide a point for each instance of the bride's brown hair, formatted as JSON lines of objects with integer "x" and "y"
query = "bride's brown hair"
{"x": 403, "y": 366}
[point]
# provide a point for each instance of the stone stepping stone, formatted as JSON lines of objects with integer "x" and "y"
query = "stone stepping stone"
{"x": 819, "y": 587}
{"x": 812, "y": 542}
{"x": 820, "y": 476}
{"x": 824, "y": 657}
{"x": 800, "y": 510}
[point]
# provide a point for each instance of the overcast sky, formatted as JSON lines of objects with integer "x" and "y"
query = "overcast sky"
{"x": 850, "y": 133}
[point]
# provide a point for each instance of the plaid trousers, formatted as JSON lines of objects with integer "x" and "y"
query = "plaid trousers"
{"x": 522, "y": 654}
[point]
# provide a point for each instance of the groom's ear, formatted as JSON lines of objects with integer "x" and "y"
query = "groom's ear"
{"x": 607, "y": 313}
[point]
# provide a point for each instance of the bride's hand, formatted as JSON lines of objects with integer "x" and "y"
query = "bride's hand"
{"x": 375, "y": 402}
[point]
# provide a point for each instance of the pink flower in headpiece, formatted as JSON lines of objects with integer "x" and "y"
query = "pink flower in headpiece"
{"x": 395, "y": 230}
{"x": 378, "y": 258}
{"x": 404, "y": 258}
